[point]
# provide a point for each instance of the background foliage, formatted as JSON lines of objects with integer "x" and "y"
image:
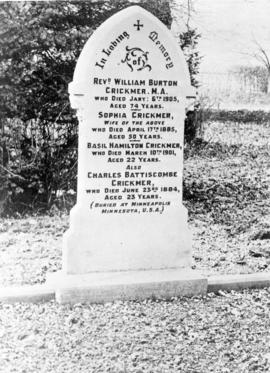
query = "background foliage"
{"x": 39, "y": 45}
{"x": 238, "y": 116}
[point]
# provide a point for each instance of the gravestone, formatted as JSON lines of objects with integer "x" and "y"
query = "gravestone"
{"x": 128, "y": 235}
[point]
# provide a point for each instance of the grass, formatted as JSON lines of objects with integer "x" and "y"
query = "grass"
{"x": 226, "y": 180}
{"x": 226, "y": 187}
{"x": 226, "y": 191}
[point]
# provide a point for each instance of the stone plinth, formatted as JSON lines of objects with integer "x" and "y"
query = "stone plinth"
{"x": 127, "y": 285}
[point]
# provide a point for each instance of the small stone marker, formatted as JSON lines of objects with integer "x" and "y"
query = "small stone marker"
{"x": 129, "y": 89}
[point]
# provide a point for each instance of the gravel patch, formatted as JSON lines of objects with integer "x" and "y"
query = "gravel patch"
{"x": 222, "y": 334}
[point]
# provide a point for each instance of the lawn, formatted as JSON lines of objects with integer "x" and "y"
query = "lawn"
{"x": 226, "y": 183}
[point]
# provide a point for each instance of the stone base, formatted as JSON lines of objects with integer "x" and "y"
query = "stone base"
{"x": 27, "y": 294}
{"x": 126, "y": 285}
{"x": 238, "y": 282}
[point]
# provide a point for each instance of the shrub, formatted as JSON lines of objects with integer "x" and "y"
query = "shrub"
{"x": 39, "y": 45}
{"x": 241, "y": 116}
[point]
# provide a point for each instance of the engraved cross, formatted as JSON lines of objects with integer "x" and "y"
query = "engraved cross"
{"x": 138, "y": 25}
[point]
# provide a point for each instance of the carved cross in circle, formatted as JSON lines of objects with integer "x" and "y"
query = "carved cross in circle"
{"x": 138, "y": 25}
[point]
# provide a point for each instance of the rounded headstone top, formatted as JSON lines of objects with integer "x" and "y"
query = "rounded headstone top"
{"x": 131, "y": 42}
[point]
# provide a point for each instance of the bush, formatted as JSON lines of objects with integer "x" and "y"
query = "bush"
{"x": 39, "y": 45}
{"x": 241, "y": 116}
